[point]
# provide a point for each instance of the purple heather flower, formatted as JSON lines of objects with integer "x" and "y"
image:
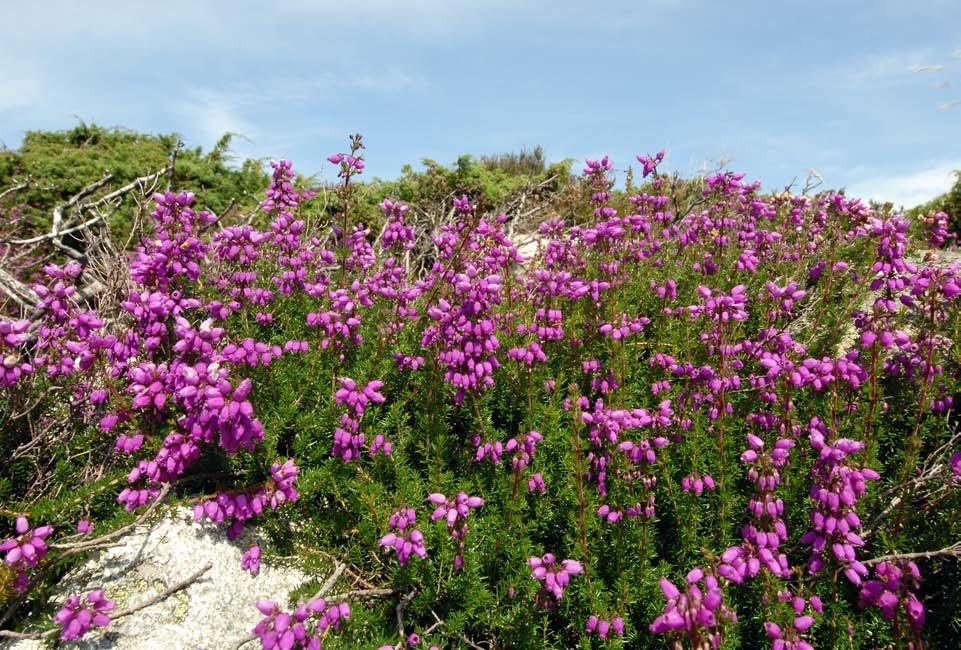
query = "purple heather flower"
{"x": 251, "y": 560}
{"x": 76, "y": 617}
{"x": 553, "y": 577}
{"x": 536, "y": 483}
{"x": 602, "y": 627}
{"x": 454, "y": 512}
{"x": 28, "y": 548}
{"x": 896, "y": 586}
{"x": 305, "y": 628}
{"x": 697, "y": 611}
{"x": 405, "y": 539}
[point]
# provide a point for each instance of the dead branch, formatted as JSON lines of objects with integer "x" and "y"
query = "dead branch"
{"x": 948, "y": 551}
{"x": 76, "y": 198}
{"x": 339, "y": 569}
{"x": 166, "y": 593}
{"x": 16, "y": 188}
{"x": 360, "y": 593}
{"x": 18, "y": 291}
{"x": 399, "y": 611}
{"x": 93, "y": 544}
{"x": 933, "y": 480}
{"x": 58, "y": 212}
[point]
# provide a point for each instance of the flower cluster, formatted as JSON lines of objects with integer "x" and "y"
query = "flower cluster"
{"x": 554, "y": 577}
{"x": 466, "y": 331}
{"x": 12, "y": 336}
{"x": 454, "y": 512}
{"x": 305, "y": 628}
{"x": 698, "y": 613}
{"x": 602, "y": 627}
{"x": 76, "y": 617}
{"x": 836, "y": 488}
{"x": 792, "y": 634}
{"x": 767, "y": 530}
{"x": 241, "y": 506}
{"x": 896, "y": 587}
{"x": 251, "y": 560}
{"x": 405, "y": 540}
{"x": 938, "y": 231}
{"x": 26, "y": 550}
{"x": 348, "y": 439}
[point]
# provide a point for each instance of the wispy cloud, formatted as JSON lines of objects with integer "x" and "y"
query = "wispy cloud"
{"x": 927, "y": 68}
{"x": 945, "y": 106}
{"x": 877, "y": 67}
{"x": 910, "y": 188}
{"x": 209, "y": 114}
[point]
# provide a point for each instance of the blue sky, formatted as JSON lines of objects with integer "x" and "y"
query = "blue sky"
{"x": 867, "y": 93}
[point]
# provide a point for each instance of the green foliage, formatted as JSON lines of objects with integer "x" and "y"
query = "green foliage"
{"x": 59, "y": 164}
{"x": 949, "y": 202}
{"x": 344, "y": 507}
{"x": 490, "y": 181}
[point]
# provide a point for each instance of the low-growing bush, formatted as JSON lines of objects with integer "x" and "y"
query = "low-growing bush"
{"x": 708, "y": 417}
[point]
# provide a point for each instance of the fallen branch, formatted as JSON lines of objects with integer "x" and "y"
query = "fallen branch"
{"x": 18, "y": 291}
{"x": 361, "y": 593}
{"x": 55, "y": 230}
{"x": 16, "y": 188}
{"x": 73, "y": 200}
{"x": 166, "y": 593}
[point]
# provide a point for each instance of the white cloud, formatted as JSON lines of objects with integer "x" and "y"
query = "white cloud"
{"x": 946, "y": 106}
{"x": 210, "y": 115}
{"x": 876, "y": 67}
{"x": 927, "y": 68}
{"x": 908, "y": 189}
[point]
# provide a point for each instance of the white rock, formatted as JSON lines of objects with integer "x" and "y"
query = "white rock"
{"x": 213, "y": 613}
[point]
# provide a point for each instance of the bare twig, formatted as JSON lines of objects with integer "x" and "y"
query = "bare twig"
{"x": 16, "y": 188}
{"x": 73, "y": 200}
{"x": 948, "y": 551}
{"x": 470, "y": 643}
{"x": 92, "y": 544}
{"x": 329, "y": 583}
{"x": 399, "y": 611}
{"x": 18, "y": 291}
{"x": 55, "y": 229}
{"x": 360, "y": 593}
{"x": 166, "y": 593}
